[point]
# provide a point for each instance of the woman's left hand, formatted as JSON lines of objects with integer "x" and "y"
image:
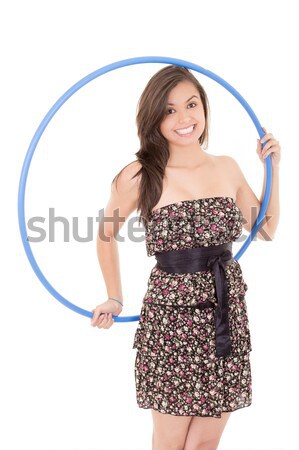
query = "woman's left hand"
{"x": 271, "y": 147}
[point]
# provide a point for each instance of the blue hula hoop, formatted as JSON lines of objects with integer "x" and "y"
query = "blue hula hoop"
{"x": 57, "y": 106}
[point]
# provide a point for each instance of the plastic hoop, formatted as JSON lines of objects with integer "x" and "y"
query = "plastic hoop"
{"x": 57, "y": 106}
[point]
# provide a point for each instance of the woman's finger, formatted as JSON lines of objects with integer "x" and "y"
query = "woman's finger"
{"x": 103, "y": 320}
{"x": 100, "y": 319}
{"x": 267, "y": 146}
{"x": 259, "y": 148}
{"x": 111, "y": 320}
{"x": 95, "y": 317}
{"x": 272, "y": 143}
{"x": 108, "y": 322}
{"x": 266, "y": 138}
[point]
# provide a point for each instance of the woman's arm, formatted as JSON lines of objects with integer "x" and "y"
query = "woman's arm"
{"x": 246, "y": 199}
{"x": 109, "y": 262}
{"x": 272, "y": 147}
{"x": 122, "y": 202}
{"x": 273, "y": 210}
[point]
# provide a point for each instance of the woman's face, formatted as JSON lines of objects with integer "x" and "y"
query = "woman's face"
{"x": 184, "y": 120}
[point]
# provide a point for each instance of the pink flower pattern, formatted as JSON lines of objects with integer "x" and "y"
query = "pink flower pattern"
{"x": 176, "y": 368}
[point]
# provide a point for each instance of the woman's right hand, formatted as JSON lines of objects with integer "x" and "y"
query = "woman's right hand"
{"x": 102, "y": 314}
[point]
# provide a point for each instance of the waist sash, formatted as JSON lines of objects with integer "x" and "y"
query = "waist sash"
{"x": 215, "y": 258}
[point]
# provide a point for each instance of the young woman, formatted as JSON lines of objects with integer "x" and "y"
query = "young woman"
{"x": 193, "y": 340}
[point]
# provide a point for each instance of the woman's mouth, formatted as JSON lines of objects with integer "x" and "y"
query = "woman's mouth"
{"x": 185, "y": 132}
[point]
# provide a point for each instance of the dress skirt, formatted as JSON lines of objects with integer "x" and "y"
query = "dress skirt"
{"x": 176, "y": 368}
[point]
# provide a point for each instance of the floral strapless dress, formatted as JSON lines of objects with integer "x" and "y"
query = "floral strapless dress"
{"x": 176, "y": 368}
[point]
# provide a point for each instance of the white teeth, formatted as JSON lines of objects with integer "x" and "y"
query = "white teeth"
{"x": 185, "y": 130}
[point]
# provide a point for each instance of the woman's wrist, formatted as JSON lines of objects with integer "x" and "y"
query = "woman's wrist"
{"x": 116, "y": 300}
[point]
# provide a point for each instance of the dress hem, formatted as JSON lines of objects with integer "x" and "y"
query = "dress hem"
{"x": 197, "y": 415}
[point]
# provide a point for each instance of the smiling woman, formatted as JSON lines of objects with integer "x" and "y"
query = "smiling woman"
{"x": 193, "y": 339}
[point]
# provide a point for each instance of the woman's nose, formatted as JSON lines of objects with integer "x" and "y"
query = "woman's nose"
{"x": 183, "y": 116}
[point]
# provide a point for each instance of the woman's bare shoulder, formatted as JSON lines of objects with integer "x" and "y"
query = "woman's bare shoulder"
{"x": 123, "y": 198}
{"x": 128, "y": 178}
{"x": 227, "y": 162}
{"x": 125, "y": 186}
{"x": 133, "y": 167}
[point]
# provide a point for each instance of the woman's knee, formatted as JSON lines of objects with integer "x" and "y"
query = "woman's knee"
{"x": 205, "y": 432}
{"x": 168, "y": 444}
{"x": 169, "y": 431}
{"x": 168, "y": 439}
{"x": 211, "y": 444}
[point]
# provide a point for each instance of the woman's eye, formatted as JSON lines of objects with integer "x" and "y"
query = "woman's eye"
{"x": 171, "y": 110}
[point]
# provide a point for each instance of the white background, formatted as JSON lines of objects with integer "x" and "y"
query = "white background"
{"x": 64, "y": 384}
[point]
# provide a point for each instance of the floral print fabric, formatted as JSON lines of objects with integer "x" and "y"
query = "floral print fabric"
{"x": 176, "y": 368}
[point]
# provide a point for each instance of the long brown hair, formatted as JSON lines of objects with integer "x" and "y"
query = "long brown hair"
{"x": 154, "y": 153}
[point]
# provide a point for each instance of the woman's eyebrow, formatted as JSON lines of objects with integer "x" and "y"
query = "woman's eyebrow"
{"x": 172, "y": 104}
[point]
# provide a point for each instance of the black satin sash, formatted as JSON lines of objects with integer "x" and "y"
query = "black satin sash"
{"x": 215, "y": 258}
